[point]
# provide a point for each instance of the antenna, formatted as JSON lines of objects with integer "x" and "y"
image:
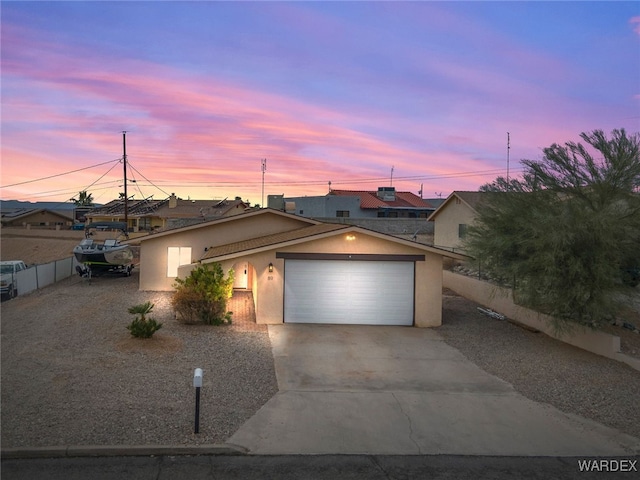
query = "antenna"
{"x": 124, "y": 163}
{"x": 264, "y": 169}
{"x": 508, "y": 148}
{"x": 392, "y": 167}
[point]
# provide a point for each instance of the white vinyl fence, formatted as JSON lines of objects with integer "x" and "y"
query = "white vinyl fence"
{"x": 39, "y": 276}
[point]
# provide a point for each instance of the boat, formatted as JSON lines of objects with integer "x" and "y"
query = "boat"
{"x": 108, "y": 256}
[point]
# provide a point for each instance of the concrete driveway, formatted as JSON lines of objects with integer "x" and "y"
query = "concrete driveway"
{"x": 402, "y": 390}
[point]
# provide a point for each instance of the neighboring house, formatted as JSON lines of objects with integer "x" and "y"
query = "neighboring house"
{"x": 452, "y": 218}
{"x": 152, "y": 215}
{"x": 383, "y": 203}
{"x": 305, "y": 271}
{"x": 37, "y": 217}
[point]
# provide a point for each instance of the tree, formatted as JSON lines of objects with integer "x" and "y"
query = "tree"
{"x": 567, "y": 232}
{"x": 84, "y": 199}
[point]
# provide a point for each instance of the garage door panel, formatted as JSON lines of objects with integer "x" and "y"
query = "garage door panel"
{"x": 349, "y": 292}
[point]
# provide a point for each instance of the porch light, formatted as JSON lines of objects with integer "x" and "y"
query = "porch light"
{"x": 351, "y": 237}
{"x": 270, "y": 267}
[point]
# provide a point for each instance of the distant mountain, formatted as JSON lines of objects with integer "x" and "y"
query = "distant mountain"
{"x": 17, "y": 204}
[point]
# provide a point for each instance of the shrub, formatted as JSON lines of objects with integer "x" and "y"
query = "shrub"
{"x": 141, "y": 326}
{"x": 202, "y": 296}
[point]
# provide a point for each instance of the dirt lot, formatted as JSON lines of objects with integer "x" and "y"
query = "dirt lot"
{"x": 38, "y": 246}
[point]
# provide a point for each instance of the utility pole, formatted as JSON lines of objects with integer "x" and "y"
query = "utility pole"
{"x": 264, "y": 169}
{"x": 508, "y": 149}
{"x": 392, "y": 167}
{"x": 124, "y": 162}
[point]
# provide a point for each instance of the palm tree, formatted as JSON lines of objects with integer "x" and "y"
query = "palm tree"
{"x": 84, "y": 199}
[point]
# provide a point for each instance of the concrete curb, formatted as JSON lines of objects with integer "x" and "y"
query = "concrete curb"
{"x": 121, "y": 451}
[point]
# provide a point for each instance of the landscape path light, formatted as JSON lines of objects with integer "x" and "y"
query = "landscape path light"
{"x": 197, "y": 382}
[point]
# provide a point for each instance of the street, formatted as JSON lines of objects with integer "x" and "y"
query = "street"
{"x": 283, "y": 467}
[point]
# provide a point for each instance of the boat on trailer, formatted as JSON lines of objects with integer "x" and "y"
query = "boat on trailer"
{"x": 110, "y": 256}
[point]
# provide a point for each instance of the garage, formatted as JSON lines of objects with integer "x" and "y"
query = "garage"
{"x": 348, "y": 291}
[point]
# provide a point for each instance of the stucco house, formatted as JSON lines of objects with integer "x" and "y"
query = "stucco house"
{"x": 386, "y": 202}
{"x": 452, "y": 218}
{"x": 38, "y": 217}
{"x": 301, "y": 270}
{"x": 150, "y": 215}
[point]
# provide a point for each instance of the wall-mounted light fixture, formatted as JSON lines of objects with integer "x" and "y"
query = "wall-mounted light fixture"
{"x": 270, "y": 267}
{"x": 351, "y": 237}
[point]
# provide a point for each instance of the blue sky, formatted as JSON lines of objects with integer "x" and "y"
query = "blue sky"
{"x": 325, "y": 91}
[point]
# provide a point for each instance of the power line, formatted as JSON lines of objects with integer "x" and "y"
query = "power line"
{"x": 58, "y": 174}
{"x": 323, "y": 182}
{"x": 152, "y": 184}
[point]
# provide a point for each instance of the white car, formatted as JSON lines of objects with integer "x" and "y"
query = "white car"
{"x": 8, "y": 279}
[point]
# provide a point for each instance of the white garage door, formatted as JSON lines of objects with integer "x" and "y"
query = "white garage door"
{"x": 349, "y": 292}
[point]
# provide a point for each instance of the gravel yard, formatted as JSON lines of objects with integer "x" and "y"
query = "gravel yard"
{"x": 72, "y": 374}
{"x": 544, "y": 369}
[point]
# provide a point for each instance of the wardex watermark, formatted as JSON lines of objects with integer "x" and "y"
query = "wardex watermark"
{"x": 608, "y": 465}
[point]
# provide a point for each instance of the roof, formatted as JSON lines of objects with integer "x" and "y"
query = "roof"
{"x": 134, "y": 207}
{"x": 370, "y": 200}
{"x": 272, "y": 240}
{"x": 233, "y": 218}
{"x": 471, "y": 199}
{"x": 306, "y": 234}
{"x": 162, "y": 209}
{"x": 199, "y": 208}
{"x": 25, "y": 212}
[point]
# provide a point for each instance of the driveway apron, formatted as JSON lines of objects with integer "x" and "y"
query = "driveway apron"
{"x": 402, "y": 390}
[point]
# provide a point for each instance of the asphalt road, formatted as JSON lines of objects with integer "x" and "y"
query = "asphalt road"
{"x": 329, "y": 467}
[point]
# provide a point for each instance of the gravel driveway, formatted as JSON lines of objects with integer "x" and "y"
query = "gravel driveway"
{"x": 72, "y": 374}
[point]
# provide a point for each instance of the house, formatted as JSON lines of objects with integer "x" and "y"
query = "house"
{"x": 452, "y": 218}
{"x": 383, "y": 203}
{"x": 301, "y": 270}
{"x": 37, "y": 217}
{"x": 151, "y": 215}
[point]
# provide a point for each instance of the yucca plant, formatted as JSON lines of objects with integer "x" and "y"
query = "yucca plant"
{"x": 141, "y": 326}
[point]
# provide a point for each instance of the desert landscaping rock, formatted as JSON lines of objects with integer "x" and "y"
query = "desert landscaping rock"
{"x": 544, "y": 369}
{"x": 73, "y": 375}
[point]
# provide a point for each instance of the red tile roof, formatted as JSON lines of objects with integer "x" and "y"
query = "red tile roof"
{"x": 370, "y": 200}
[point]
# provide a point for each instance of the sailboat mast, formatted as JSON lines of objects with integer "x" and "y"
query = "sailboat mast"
{"x": 124, "y": 163}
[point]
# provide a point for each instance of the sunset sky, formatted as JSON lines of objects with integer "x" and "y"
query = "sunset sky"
{"x": 346, "y": 92}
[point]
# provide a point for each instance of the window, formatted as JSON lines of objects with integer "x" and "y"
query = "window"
{"x": 177, "y": 256}
{"x": 462, "y": 230}
{"x": 144, "y": 223}
{"x": 342, "y": 213}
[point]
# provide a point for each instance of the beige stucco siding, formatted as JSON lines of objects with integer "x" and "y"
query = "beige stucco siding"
{"x": 269, "y": 287}
{"x": 447, "y": 223}
{"x": 153, "y": 251}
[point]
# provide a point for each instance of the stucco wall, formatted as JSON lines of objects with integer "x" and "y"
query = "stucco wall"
{"x": 327, "y": 206}
{"x": 269, "y": 294}
{"x": 501, "y": 301}
{"x": 446, "y": 224}
{"x": 153, "y": 249}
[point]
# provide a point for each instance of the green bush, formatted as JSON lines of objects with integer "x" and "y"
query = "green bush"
{"x": 141, "y": 326}
{"x": 202, "y": 296}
